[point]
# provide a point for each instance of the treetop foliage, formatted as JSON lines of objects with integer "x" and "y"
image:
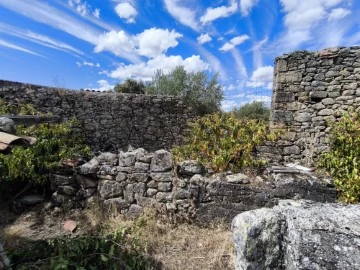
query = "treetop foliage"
{"x": 201, "y": 92}
{"x": 254, "y": 110}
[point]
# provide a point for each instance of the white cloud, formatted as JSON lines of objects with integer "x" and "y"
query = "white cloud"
{"x": 43, "y": 13}
{"x": 247, "y": 5}
{"x": 233, "y": 43}
{"x": 119, "y": 43}
{"x": 126, "y": 11}
{"x": 6, "y": 44}
{"x": 302, "y": 19}
{"x": 184, "y": 15}
{"x": 228, "y": 105}
{"x": 39, "y": 39}
{"x": 96, "y": 13}
{"x": 258, "y": 98}
{"x": 146, "y": 70}
{"x": 81, "y": 7}
{"x": 261, "y": 77}
{"x": 45, "y": 40}
{"x": 239, "y": 64}
{"x": 104, "y": 85}
{"x": 338, "y": 13}
{"x": 212, "y": 14}
{"x": 89, "y": 64}
{"x": 154, "y": 41}
{"x": 150, "y": 43}
{"x": 203, "y": 38}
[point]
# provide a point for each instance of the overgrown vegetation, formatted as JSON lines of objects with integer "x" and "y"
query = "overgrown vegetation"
{"x": 343, "y": 159}
{"x": 254, "y": 110}
{"x": 224, "y": 142}
{"x": 32, "y": 164}
{"x": 114, "y": 251}
{"x": 16, "y": 108}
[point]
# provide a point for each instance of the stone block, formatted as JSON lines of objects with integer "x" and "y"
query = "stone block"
{"x": 162, "y": 161}
{"x": 110, "y": 189}
{"x": 292, "y": 150}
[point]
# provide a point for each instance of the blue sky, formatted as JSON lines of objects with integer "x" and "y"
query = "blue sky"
{"x": 97, "y": 43}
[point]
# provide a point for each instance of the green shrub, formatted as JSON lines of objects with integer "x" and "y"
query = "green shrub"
{"x": 343, "y": 159}
{"x": 32, "y": 164}
{"x": 254, "y": 110}
{"x": 16, "y": 108}
{"x": 115, "y": 251}
{"x": 223, "y": 141}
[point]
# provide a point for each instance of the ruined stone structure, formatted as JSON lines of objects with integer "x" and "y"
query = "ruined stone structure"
{"x": 109, "y": 121}
{"x": 136, "y": 179}
{"x": 310, "y": 90}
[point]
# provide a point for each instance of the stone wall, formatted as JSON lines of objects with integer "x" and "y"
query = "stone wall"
{"x": 109, "y": 121}
{"x": 310, "y": 90}
{"x": 136, "y": 179}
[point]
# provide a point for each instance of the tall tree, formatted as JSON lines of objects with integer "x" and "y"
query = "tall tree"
{"x": 202, "y": 93}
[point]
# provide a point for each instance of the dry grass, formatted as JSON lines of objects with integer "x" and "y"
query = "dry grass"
{"x": 182, "y": 246}
{"x": 173, "y": 247}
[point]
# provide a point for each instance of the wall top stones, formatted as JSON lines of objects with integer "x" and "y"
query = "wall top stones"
{"x": 109, "y": 121}
{"x": 311, "y": 89}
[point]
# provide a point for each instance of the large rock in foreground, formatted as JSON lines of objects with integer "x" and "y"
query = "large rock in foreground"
{"x": 298, "y": 235}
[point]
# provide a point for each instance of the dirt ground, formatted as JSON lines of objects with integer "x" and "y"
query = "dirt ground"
{"x": 178, "y": 247}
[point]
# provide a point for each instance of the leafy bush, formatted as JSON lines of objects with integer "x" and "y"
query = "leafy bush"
{"x": 16, "y": 108}
{"x": 32, "y": 164}
{"x": 254, "y": 110}
{"x": 343, "y": 159}
{"x": 223, "y": 141}
{"x": 130, "y": 86}
{"x": 115, "y": 251}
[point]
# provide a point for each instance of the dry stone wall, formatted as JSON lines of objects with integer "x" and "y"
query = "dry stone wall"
{"x": 310, "y": 90}
{"x": 136, "y": 179}
{"x": 109, "y": 121}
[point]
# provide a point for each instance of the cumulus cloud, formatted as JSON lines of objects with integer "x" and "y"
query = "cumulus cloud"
{"x": 150, "y": 43}
{"x": 89, "y": 64}
{"x": 338, "y": 13}
{"x": 126, "y": 11}
{"x": 119, "y": 43}
{"x": 233, "y": 43}
{"x": 246, "y": 6}
{"x": 184, "y": 15}
{"x": 104, "y": 85}
{"x": 212, "y": 14}
{"x": 203, "y": 38}
{"x": 261, "y": 77}
{"x": 146, "y": 70}
{"x": 154, "y": 41}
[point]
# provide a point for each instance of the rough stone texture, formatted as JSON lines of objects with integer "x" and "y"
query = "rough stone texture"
{"x": 7, "y": 125}
{"x": 311, "y": 88}
{"x": 202, "y": 197}
{"x": 298, "y": 235}
{"x": 4, "y": 260}
{"x": 162, "y": 161}
{"x": 109, "y": 121}
{"x": 190, "y": 167}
